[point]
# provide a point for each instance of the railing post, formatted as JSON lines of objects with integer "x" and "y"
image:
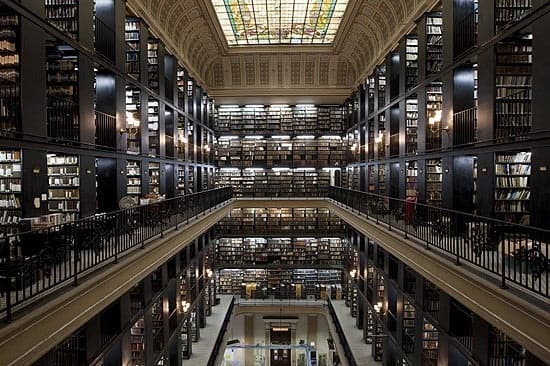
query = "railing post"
{"x": 8, "y": 284}
{"x": 117, "y": 235}
{"x": 75, "y": 259}
{"x": 503, "y": 266}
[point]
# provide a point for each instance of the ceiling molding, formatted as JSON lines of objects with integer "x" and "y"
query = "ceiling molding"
{"x": 369, "y": 30}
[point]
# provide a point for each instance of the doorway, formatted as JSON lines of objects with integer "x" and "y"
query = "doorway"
{"x": 280, "y": 357}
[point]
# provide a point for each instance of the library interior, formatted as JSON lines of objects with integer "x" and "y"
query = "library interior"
{"x": 274, "y": 182}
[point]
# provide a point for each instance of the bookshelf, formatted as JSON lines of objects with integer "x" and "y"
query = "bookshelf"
{"x": 382, "y": 135}
{"x": 157, "y": 325}
{"x": 154, "y": 177}
{"x": 279, "y": 119}
{"x": 153, "y": 126}
{"x": 430, "y": 344}
{"x": 434, "y": 42}
{"x": 133, "y": 120}
{"x": 409, "y": 326}
{"x": 153, "y": 72}
{"x": 63, "y": 185}
{"x": 180, "y": 186}
{"x": 9, "y": 69}
{"x": 512, "y": 188}
{"x": 382, "y": 179}
{"x": 133, "y": 175}
{"x": 411, "y": 55}
{"x": 137, "y": 342}
{"x": 279, "y": 283}
{"x": 137, "y": 298}
{"x": 514, "y": 58}
{"x": 431, "y": 299}
{"x": 507, "y": 11}
{"x": 434, "y": 108}
{"x": 10, "y": 191}
{"x": 371, "y": 326}
{"x": 62, "y": 91}
{"x": 381, "y": 86}
{"x": 133, "y": 48}
{"x": 411, "y": 131}
{"x": 434, "y": 182}
{"x": 63, "y": 14}
{"x": 411, "y": 183}
{"x": 190, "y": 179}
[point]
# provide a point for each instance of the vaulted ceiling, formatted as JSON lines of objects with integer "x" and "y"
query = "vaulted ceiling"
{"x": 316, "y": 73}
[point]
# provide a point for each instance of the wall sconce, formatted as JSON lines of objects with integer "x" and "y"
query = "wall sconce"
{"x": 185, "y": 306}
{"x": 88, "y": 171}
{"x": 434, "y": 120}
{"x": 379, "y": 138}
{"x": 378, "y": 307}
{"x": 36, "y": 170}
{"x": 129, "y": 130}
{"x": 353, "y": 273}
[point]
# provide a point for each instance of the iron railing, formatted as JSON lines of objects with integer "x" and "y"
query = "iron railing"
{"x": 105, "y": 130}
{"x": 465, "y": 127}
{"x": 465, "y": 33}
{"x": 33, "y": 262}
{"x": 104, "y": 39}
{"x": 348, "y": 354}
{"x": 394, "y": 145}
{"x": 219, "y": 339}
{"x": 511, "y": 252}
{"x": 63, "y": 119}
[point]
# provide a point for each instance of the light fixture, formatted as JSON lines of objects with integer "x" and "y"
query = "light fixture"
{"x": 379, "y": 138}
{"x": 352, "y": 273}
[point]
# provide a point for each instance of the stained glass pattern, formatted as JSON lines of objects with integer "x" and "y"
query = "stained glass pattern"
{"x": 254, "y": 22}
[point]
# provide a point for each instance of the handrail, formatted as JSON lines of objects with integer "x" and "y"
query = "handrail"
{"x": 341, "y": 334}
{"x": 35, "y": 261}
{"x": 219, "y": 338}
{"x": 514, "y": 253}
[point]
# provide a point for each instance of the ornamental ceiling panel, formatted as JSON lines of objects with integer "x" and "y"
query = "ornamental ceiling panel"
{"x": 254, "y": 22}
{"x": 261, "y": 48}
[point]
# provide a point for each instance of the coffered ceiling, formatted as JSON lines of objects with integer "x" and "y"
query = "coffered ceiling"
{"x": 248, "y": 64}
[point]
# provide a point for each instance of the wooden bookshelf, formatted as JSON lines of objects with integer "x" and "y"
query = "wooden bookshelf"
{"x": 10, "y": 191}
{"x": 154, "y": 177}
{"x": 431, "y": 299}
{"x": 157, "y": 324}
{"x": 133, "y": 119}
{"x": 411, "y": 183}
{"x": 64, "y": 185}
{"x": 434, "y": 42}
{"x": 409, "y": 326}
{"x": 153, "y": 126}
{"x": 411, "y": 66}
{"x": 513, "y": 114}
{"x": 411, "y": 131}
{"x": 137, "y": 342}
{"x": 9, "y": 70}
{"x": 180, "y": 186}
{"x": 430, "y": 344}
{"x": 382, "y": 135}
{"x": 507, "y": 11}
{"x": 62, "y": 91}
{"x": 153, "y": 72}
{"x": 434, "y": 182}
{"x": 512, "y": 188}
{"x": 133, "y": 175}
{"x": 132, "y": 27}
{"x": 63, "y": 14}
{"x": 279, "y": 119}
{"x": 434, "y": 108}
{"x": 381, "y": 86}
{"x": 382, "y": 179}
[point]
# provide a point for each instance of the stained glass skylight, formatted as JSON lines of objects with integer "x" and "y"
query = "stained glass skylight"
{"x": 254, "y": 22}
